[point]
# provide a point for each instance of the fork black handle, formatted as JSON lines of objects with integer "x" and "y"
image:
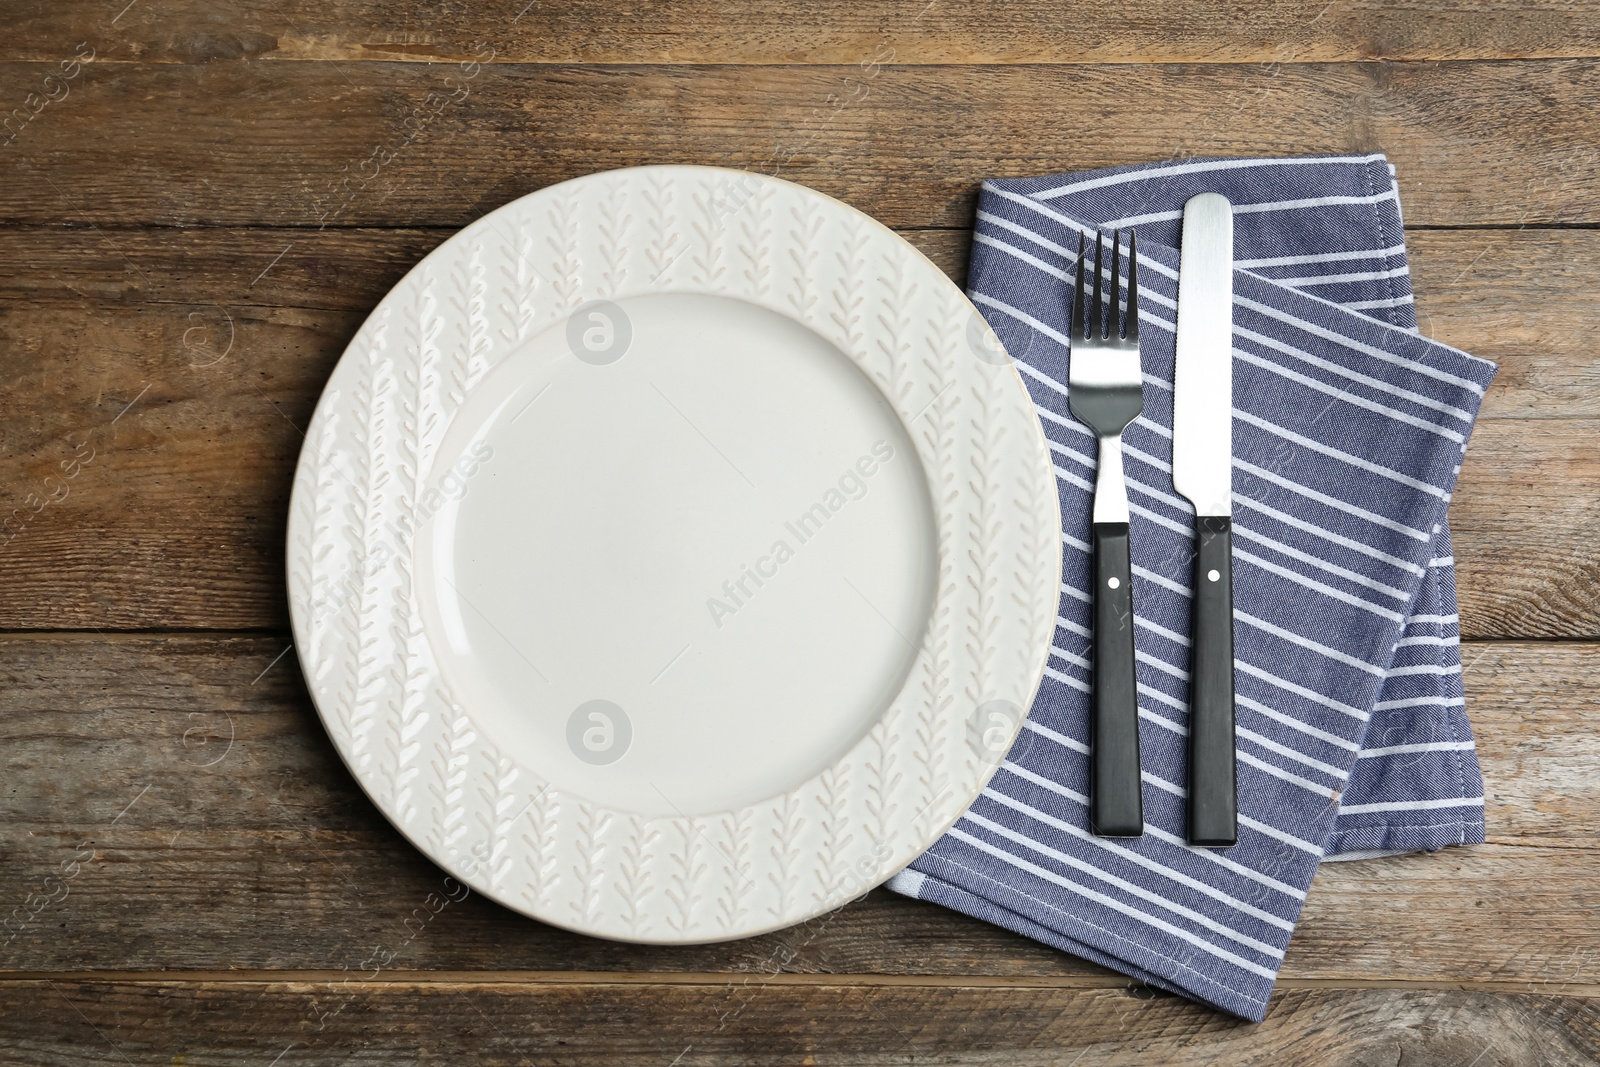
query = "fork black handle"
{"x": 1213, "y": 792}
{"x": 1116, "y": 793}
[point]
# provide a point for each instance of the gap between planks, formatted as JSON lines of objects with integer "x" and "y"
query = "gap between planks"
{"x": 100, "y": 636}
{"x": 1582, "y": 990}
{"x": 1089, "y": 60}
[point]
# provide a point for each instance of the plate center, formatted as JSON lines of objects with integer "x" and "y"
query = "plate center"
{"x": 680, "y": 557}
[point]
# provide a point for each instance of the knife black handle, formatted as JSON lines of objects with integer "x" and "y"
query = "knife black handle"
{"x": 1116, "y": 797}
{"x": 1213, "y": 797}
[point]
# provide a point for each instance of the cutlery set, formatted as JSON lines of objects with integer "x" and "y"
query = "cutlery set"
{"x": 1106, "y": 394}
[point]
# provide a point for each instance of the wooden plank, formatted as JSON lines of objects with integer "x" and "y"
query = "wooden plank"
{"x": 334, "y": 269}
{"x": 1520, "y": 297}
{"x": 177, "y": 518}
{"x": 778, "y": 31}
{"x": 172, "y": 803}
{"x": 77, "y": 1021}
{"x": 315, "y": 144}
{"x": 222, "y": 340}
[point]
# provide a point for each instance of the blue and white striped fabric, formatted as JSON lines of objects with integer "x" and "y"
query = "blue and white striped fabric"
{"x": 1349, "y": 429}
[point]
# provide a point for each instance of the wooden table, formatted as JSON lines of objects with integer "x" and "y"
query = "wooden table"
{"x": 203, "y": 199}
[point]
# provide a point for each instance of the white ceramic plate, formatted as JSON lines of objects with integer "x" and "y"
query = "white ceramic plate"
{"x": 673, "y": 554}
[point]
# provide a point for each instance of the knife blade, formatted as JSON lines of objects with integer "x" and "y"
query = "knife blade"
{"x": 1202, "y": 470}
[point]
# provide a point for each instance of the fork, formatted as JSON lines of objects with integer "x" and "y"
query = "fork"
{"x": 1105, "y": 392}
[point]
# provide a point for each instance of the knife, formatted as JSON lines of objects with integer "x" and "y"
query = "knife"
{"x": 1202, "y": 470}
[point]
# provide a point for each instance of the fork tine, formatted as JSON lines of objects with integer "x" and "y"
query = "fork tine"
{"x": 1097, "y": 316}
{"x": 1114, "y": 303}
{"x": 1133, "y": 286}
{"x": 1077, "y": 297}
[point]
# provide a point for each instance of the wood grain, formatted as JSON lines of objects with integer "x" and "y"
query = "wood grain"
{"x": 189, "y": 362}
{"x": 1524, "y": 299}
{"x": 182, "y": 795}
{"x": 1524, "y": 520}
{"x": 320, "y": 144}
{"x": 773, "y": 31}
{"x": 76, "y": 1021}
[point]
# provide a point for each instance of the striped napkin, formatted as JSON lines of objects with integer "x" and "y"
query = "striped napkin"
{"x": 1349, "y": 429}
